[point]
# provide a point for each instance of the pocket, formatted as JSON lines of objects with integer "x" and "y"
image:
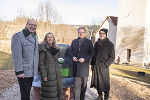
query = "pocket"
{"x": 27, "y": 48}
{"x": 26, "y": 44}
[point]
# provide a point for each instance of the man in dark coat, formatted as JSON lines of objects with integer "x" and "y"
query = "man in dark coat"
{"x": 81, "y": 52}
{"x": 104, "y": 56}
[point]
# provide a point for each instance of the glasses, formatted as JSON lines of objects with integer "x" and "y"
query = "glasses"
{"x": 81, "y": 32}
{"x": 101, "y": 33}
{"x": 33, "y": 25}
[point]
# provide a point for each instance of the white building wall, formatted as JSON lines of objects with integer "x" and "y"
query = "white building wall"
{"x": 131, "y": 30}
{"x": 147, "y": 35}
{"x": 131, "y": 12}
{"x": 112, "y": 32}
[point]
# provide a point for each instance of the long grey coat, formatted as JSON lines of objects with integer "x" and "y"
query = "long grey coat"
{"x": 48, "y": 67}
{"x": 104, "y": 56}
{"x": 25, "y": 54}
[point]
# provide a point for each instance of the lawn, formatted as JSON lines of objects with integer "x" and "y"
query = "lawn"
{"x": 130, "y": 72}
{"x": 5, "y": 61}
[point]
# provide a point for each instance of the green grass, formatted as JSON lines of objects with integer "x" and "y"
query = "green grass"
{"x": 5, "y": 61}
{"x": 130, "y": 72}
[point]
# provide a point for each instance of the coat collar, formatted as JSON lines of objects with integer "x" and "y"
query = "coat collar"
{"x": 30, "y": 37}
{"x": 47, "y": 46}
{"x": 102, "y": 43}
{"x": 83, "y": 42}
{"x": 27, "y": 33}
{"x": 105, "y": 39}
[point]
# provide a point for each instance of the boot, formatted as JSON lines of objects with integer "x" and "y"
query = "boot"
{"x": 99, "y": 98}
{"x": 106, "y": 95}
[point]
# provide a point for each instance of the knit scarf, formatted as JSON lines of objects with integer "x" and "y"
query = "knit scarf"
{"x": 27, "y": 33}
{"x": 100, "y": 42}
{"x": 53, "y": 50}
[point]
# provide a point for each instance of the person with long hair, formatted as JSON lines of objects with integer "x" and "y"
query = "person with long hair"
{"x": 51, "y": 87}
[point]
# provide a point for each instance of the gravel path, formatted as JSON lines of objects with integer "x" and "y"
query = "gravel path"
{"x": 12, "y": 93}
{"x": 121, "y": 89}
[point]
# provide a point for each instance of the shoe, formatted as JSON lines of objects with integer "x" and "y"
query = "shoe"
{"x": 106, "y": 95}
{"x": 99, "y": 98}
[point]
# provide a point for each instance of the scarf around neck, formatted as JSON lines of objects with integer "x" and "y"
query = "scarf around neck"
{"x": 100, "y": 41}
{"x": 27, "y": 33}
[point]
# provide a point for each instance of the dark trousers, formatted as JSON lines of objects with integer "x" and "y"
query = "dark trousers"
{"x": 25, "y": 87}
{"x": 80, "y": 85}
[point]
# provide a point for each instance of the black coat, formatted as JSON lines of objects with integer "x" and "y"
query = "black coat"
{"x": 104, "y": 56}
{"x": 85, "y": 51}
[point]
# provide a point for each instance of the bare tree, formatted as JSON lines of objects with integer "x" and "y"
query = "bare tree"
{"x": 47, "y": 12}
{"x": 96, "y": 22}
{"x": 40, "y": 12}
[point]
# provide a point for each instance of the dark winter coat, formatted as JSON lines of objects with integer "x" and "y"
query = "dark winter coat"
{"x": 48, "y": 67}
{"x": 86, "y": 51}
{"x": 104, "y": 56}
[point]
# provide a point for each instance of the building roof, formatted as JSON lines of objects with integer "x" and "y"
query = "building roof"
{"x": 113, "y": 19}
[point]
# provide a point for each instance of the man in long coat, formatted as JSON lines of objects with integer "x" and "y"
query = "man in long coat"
{"x": 81, "y": 52}
{"x": 104, "y": 56}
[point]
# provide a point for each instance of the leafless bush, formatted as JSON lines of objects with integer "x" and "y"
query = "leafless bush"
{"x": 3, "y": 26}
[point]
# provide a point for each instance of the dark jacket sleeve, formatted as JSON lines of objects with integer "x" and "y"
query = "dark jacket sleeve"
{"x": 91, "y": 52}
{"x": 95, "y": 54}
{"x": 71, "y": 50}
{"x": 42, "y": 69}
{"x": 111, "y": 56}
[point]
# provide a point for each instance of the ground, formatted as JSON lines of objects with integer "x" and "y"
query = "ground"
{"x": 121, "y": 88}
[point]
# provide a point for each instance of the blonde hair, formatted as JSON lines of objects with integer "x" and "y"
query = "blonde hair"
{"x": 54, "y": 44}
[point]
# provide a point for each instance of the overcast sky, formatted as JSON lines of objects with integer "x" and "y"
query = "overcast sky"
{"x": 73, "y": 12}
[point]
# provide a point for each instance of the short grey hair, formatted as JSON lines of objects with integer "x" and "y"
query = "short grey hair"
{"x": 31, "y": 19}
{"x": 81, "y": 28}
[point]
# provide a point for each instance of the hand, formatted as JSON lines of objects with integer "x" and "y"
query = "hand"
{"x": 75, "y": 59}
{"x": 81, "y": 60}
{"x": 20, "y": 76}
{"x": 45, "y": 79}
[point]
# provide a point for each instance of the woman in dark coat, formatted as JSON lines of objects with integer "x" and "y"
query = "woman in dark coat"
{"x": 51, "y": 87}
{"x": 104, "y": 56}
